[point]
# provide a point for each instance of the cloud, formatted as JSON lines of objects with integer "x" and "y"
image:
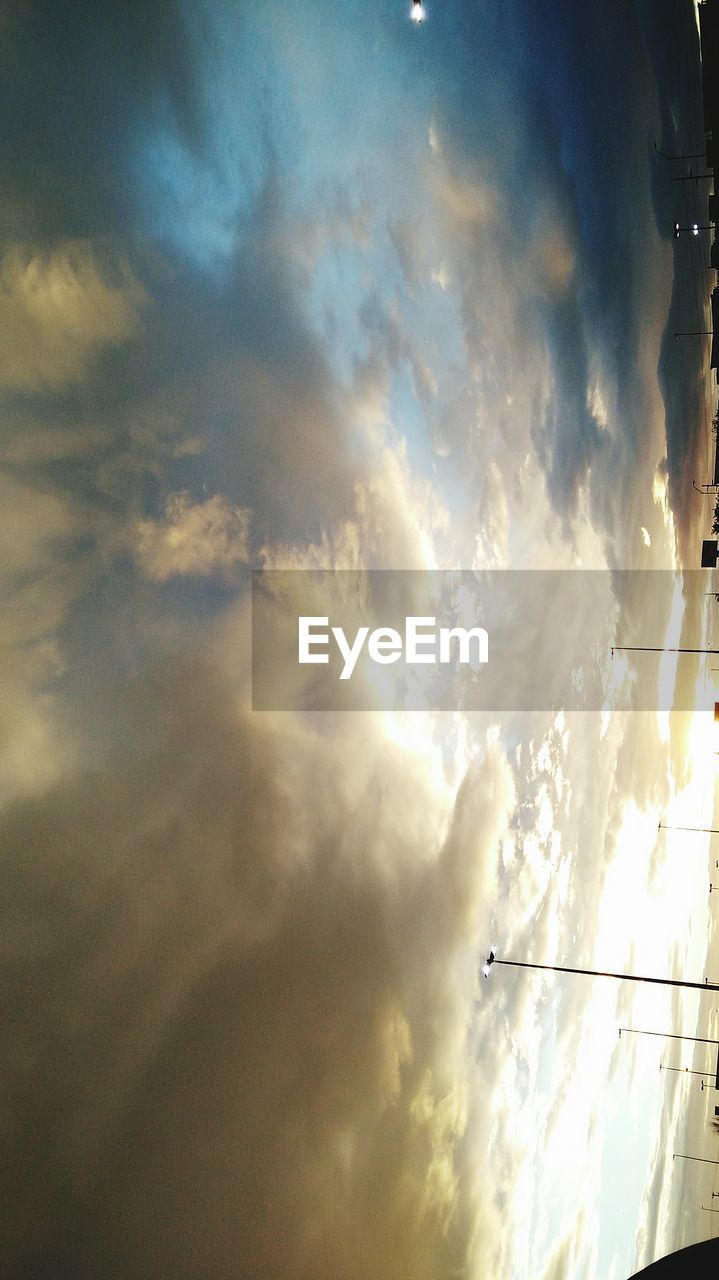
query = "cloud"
{"x": 242, "y": 958}
{"x": 193, "y": 538}
{"x": 41, "y": 576}
{"x": 654, "y": 1230}
{"x": 243, "y": 1030}
{"x": 58, "y": 309}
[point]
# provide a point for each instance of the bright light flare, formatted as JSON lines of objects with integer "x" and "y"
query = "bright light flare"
{"x": 489, "y": 961}
{"x": 418, "y": 13}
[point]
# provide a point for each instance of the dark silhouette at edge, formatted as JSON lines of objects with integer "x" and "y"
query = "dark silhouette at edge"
{"x": 696, "y": 1260}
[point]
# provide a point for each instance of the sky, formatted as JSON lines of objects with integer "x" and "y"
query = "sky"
{"x": 314, "y": 286}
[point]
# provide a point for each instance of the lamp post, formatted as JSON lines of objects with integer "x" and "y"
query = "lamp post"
{"x": 667, "y": 826}
{"x": 672, "y": 1035}
{"x": 707, "y": 1075}
{"x": 700, "y": 1159}
{"x": 668, "y": 1035}
{"x": 693, "y": 228}
{"x": 598, "y": 973}
{"x": 687, "y": 155}
{"x": 645, "y": 648}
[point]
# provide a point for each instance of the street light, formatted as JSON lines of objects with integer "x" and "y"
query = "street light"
{"x": 707, "y": 1075}
{"x": 687, "y": 155}
{"x": 597, "y": 973}
{"x": 672, "y": 1035}
{"x": 668, "y": 1035}
{"x": 667, "y": 826}
{"x": 693, "y": 228}
{"x": 647, "y": 648}
{"x": 700, "y": 1159}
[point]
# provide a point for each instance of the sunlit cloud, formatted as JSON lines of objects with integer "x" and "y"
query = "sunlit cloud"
{"x": 193, "y": 538}
{"x": 59, "y": 309}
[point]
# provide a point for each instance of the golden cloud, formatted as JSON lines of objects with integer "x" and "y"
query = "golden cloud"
{"x": 58, "y": 308}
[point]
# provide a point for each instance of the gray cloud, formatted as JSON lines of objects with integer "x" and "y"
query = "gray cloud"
{"x": 234, "y": 1036}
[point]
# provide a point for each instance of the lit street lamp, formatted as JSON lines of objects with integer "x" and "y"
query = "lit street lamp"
{"x": 693, "y": 228}
{"x": 597, "y": 973}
